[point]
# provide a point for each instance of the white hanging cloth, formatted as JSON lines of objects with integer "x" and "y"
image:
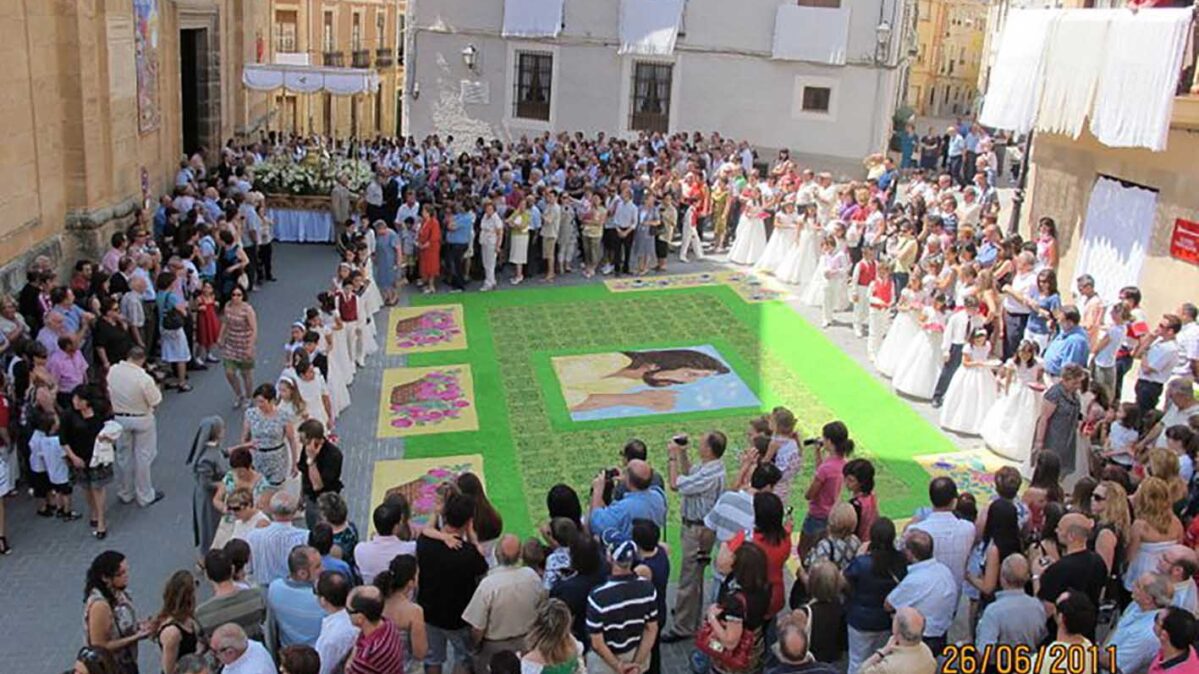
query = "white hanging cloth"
{"x": 815, "y": 34}
{"x": 1135, "y": 97}
{"x": 1013, "y": 89}
{"x": 1073, "y": 60}
{"x": 1115, "y": 235}
{"x": 310, "y": 79}
{"x": 649, "y": 27}
{"x": 532, "y": 18}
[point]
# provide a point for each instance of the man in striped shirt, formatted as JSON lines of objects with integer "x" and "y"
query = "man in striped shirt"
{"x": 622, "y": 617}
{"x": 380, "y": 646}
{"x": 698, "y": 486}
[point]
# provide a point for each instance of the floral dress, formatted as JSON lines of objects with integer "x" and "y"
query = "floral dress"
{"x": 271, "y": 455}
{"x": 239, "y": 335}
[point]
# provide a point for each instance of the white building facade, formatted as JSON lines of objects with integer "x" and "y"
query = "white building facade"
{"x": 465, "y": 79}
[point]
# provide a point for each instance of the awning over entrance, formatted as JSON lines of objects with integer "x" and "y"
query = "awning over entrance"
{"x": 310, "y": 79}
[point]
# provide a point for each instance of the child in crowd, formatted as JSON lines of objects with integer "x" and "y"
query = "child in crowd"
{"x": 208, "y": 323}
{"x": 408, "y": 246}
{"x": 1123, "y": 431}
{"x": 560, "y": 534}
{"x": 881, "y": 297}
{"x": 48, "y": 461}
{"x": 972, "y": 391}
{"x": 654, "y": 567}
{"x": 783, "y": 450}
{"x": 864, "y": 273}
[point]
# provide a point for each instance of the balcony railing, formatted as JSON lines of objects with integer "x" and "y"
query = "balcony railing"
{"x": 334, "y": 59}
{"x": 384, "y": 57}
{"x": 361, "y": 58}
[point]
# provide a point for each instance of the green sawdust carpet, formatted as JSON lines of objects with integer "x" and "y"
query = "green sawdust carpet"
{"x": 529, "y": 441}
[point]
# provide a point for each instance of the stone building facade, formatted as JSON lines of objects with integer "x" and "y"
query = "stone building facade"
{"x": 78, "y": 159}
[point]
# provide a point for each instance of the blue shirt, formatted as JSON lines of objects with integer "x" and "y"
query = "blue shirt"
{"x": 957, "y": 145}
{"x": 331, "y": 563}
{"x": 213, "y": 209}
{"x": 160, "y": 222}
{"x": 294, "y": 611}
{"x": 1067, "y": 347}
{"x": 930, "y": 588}
{"x": 618, "y": 517}
{"x": 1037, "y": 323}
{"x": 987, "y": 253}
{"x": 463, "y": 223}
{"x": 534, "y": 219}
{"x": 1134, "y": 640}
{"x": 1013, "y": 618}
{"x": 971, "y": 142}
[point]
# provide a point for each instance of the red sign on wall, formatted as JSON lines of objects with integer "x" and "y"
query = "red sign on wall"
{"x": 1184, "y": 244}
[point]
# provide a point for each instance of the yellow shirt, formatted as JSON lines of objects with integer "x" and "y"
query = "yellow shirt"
{"x": 593, "y": 226}
{"x": 584, "y": 376}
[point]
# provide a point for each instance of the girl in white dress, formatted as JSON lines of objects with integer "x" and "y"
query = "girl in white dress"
{"x": 782, "y": 239}
{"x": 751, "y": 231}
{"x": 904, "y": 329}
{"x": 331, "y": 343}
{"x": 1008, "y": 427}
{"x": 918, "y": 369}
{"x": 972, "y": 391}
{"x": 366, "y": 323}
{"x": 828, "y": 284}
{"x": 799, "y": 263}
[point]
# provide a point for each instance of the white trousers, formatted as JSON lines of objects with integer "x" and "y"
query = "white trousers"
{"x": 488, "y": 250}
{"x": 691, "y": 239}
{"x": 862, "y": 645}
{"x": 861, "y": 309}
{"x": 135, "y": 454}
{"x": 880, "y": 322}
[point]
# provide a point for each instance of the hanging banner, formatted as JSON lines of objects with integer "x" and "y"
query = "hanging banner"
{"x": 1184, "y": 244}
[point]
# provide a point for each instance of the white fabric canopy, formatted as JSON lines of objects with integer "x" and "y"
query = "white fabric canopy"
{"x": 649, "y": 27}
{"x": 532, "y": 18}
{"x": 1013, "y": 91}
{"x": 1073, "y": 59}
{"x": 310, "y": 79}
{"x": 1135, "y": 98}
{"x": 1115, "y": 236}
{"x": 815, "y": 34}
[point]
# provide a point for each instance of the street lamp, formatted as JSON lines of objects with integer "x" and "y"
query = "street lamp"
{"x": 882, "y": 48}
{"x": 470, "y": 56}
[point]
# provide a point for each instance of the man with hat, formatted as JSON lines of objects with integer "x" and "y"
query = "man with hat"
{"x": 622, "y": 617}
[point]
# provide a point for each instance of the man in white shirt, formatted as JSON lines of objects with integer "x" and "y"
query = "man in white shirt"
{"x": 504, "y": 606}
{"x": 958, "y": 329}
{"x": 952, "y": 537}
{"x": 1158, "y": 361}
{"x": 928, "y": 587}
{"x": 376, "y": 554}
{"x": 1015, "y": 312}
{"x": 338, "y": 633}
{"x": 624, "y": 217}
{"x": 238, "y": 654}
{"x": 134, "y": 396}
{"x": 1180, "y": 564}
{"x": 409, "y": 209}
{"x": 1188, "y": 342}
{"x": 1090, "y": 305}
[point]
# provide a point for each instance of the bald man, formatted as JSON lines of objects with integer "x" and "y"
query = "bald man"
{"x": 1079, "y": 569}
{"x": 1180, "y": 564}
{"x": 1014, "y": 617}
{"x": 905, "y": 652}
{"x": 643, "y": 500}
{"x": 504, "y": 605}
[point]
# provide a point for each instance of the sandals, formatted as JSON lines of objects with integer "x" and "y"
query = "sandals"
{"x": 5, "y": 548}
{"x": 100, "y": 535}
{"x": 45, "y": 512}
{"x": 68, "y": 516}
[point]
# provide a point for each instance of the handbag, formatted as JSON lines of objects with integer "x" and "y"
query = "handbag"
{"x": 172, "y": 320}
{"x": 735, "y": 660}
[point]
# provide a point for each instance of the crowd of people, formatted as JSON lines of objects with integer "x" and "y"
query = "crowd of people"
{"x": 922, "y": 271}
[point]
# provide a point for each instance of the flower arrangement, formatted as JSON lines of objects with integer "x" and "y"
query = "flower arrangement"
{"x": 281, "y": 174}
{"x": 430, "y": 328}
{"x": 429, "y": 400}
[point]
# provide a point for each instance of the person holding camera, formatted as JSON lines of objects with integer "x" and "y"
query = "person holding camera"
{"x": 643, "y": 500}
{"x": 699, "y": 486}
{"x": 633, "y": 450}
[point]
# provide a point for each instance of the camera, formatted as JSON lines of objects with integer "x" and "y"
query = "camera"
{"x": 680, "y": 440}
{"x": 811, "y": 442}
{"x": 611, "y": 477}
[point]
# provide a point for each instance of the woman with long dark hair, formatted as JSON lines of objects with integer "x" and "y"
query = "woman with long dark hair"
{"x": 397, "y": 584}
{"x": 178, "y": 631}
{"x": 488, "y": 523}
{"x": 743, "y": 604}
{"x": 1001, "y": 537}
{"x": 773, "y": 535}
{"x": 871, "y": 577}
{"x": 109, "y": 618}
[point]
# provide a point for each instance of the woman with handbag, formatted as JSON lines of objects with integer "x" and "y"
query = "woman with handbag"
{"x": 81, "y": 426}
{"x": 172, "y": 313}
{"x": 732, "y": 634}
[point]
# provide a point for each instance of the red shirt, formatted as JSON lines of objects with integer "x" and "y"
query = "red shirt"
{"x": 380, "y": 653}
{"x": 776, "y": 558}
{"x": 866, "y": 272}
{"x": 347, "y": 306}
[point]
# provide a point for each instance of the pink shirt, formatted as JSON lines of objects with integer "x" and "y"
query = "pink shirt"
{"x": 829, "y": 475}
{"x": 69, "y": 370}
